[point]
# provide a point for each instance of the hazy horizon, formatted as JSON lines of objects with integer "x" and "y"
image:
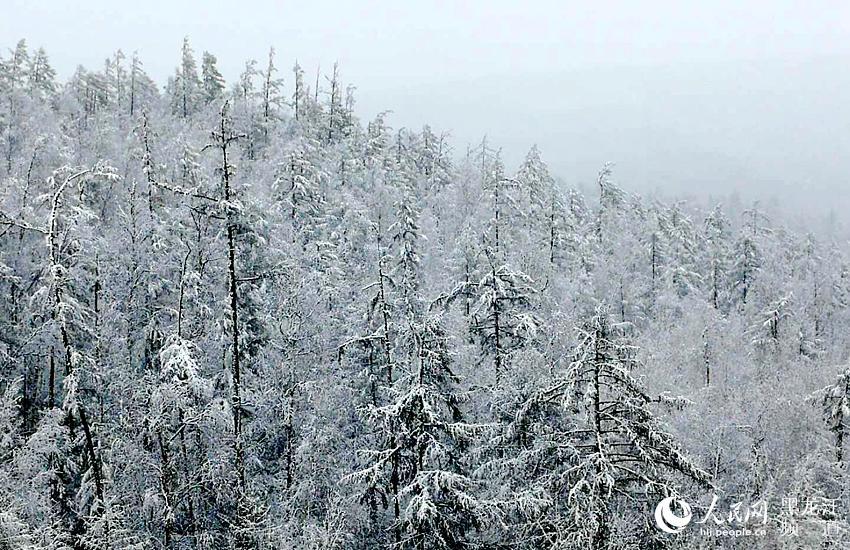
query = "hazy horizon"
{"x": 684, "y": 100}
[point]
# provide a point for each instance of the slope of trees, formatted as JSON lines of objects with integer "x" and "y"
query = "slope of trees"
{"x": 238, "y": 317}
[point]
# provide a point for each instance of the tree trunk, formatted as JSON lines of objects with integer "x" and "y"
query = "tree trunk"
{"x": 234, "y": 319}
{"x": 93, "y": 458}
{"x": 166, "y": 483}
{"x": 224, "y": 140}
{"x": 497, "y": 332}
{"x": 51, "y": 388}
{"x": 601, "y": 519}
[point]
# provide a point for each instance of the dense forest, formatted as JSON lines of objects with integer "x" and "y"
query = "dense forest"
{"x": 236, "y": 316}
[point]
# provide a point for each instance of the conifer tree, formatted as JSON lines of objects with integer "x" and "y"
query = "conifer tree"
{"x": 42, "y": 77}
{"x": 141, "y": 89}
{"x": 299, "y": 186}
{"x": 438, "y": 505}
{"x": 591, "y": 441}
{"x": 187, "y": 85}
{"x": 211, "y": 79}
{"x": 502, "y": 317}
{"x": 271, "y": 91}
{"x": 405, "y": 234}
{"x": 17, "y": 66}
{"x": 835, "y": 400}
{"x": 716, "y": 229}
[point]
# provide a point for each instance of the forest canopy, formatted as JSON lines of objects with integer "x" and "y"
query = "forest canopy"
{"x": 233, "y": 315}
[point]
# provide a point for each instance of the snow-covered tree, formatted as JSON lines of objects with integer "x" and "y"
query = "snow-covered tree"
{"x": 186, "y": 85}
{"x": 42, "y": 77}
{"x": 590, "y": 443}
{"x": 435, "y": 498}
{"x": 271, "y": 91}
{"x": 211, "y": 79}
{"x": 835, "y": 399}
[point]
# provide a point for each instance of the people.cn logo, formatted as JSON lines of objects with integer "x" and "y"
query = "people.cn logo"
{"x": 667, "y": 520}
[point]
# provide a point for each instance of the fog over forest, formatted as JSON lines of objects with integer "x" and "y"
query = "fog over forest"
{"x": 695, "y": 99}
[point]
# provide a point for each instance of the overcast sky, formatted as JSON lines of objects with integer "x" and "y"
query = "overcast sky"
{"x": 725, "y": 96}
